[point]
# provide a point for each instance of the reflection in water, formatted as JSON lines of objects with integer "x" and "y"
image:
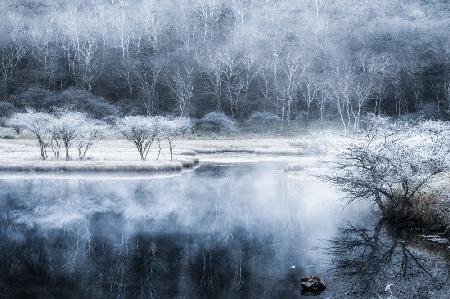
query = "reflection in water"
{"x": 375, "y": 262}
{"x": 220, "y": 231}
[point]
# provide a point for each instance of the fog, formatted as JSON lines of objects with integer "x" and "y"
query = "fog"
{"x": 222, "y": 230}
{"x": 243, "y": 195}
{"x": 247, "y": 224}
{"x": 296, "y": 126}
{"x": 313, "y": 59}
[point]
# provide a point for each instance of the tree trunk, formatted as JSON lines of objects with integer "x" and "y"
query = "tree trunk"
{"x": 171, "y": 150}
{"x": 67, "y": 152}
{"x": 159, "y": 150}
{"x": 80, "y": 155}
{"x": 379, "y": 202}
{"x": 42, "y": 147}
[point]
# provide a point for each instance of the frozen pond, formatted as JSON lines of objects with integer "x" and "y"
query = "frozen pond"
{"x": 248, "y": 230}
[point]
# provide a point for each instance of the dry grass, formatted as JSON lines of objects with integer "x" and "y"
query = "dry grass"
{"x": 425, "y": 210}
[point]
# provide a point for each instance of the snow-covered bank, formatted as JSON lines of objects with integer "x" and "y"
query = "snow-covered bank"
{"x": 110, "y": 155}
{"x": 98, "y": 166}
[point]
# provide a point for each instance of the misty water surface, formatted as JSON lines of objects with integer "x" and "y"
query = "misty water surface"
{"x": 221, "y": 231}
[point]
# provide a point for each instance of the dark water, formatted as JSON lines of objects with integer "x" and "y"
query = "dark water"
{"x": 221, "y": 231}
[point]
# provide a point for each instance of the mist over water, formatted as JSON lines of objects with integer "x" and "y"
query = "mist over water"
{"x": 221, "y": 231}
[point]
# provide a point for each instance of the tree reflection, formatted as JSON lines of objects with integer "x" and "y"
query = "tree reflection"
{"x": 98, "y": 259}
{"x": 366, "y": 261}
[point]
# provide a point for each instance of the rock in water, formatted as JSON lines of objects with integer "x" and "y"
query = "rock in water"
{"x": 312, "y": 285}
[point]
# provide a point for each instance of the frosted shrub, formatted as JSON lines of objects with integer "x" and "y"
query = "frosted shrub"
{"x": 218, "y": 122}
{"x": 142, "y": 131}
{"x": 65, "y": 129}
{"x": 392, "y": 163}
{"x": 170, "y": 129}
{"x": 62, "y": 130}
{"x": 36, "y": 123}
{"x": 260, "y": 121}
{"x": 91, "y": 132}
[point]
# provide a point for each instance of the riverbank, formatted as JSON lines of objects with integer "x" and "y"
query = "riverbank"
{"x": 22, "y": 154}
{"x": 98, "y": 166}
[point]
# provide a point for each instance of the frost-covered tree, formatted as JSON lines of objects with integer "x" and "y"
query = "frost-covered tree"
{"x": 183, "y": 89}
{"x": 353, "y": 84}
{"x": 170, "y": 129}
{"x": 36, "y": 123}
{"x": 65, "y": 128}
{"x": 90, "y": 132}
{"x": 310, "y": 91}
{"x": 148, "y": 75}
{"x": 10, "y": 57}
{"x": 393, "y": 162}
{"x": 60, "y": 130}
{"x": 248, "y": 55}
{"x": 294, "y": 67}
{"x": 142, "y": 131}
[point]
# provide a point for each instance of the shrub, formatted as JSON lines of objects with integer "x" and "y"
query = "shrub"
{"x": 217, "y": 122}
{"x": 33, "y": 98}
{"x": 173, "y": 128}
{"x": 142, "y": 131}
{"x": 6, "y": 109}
{"x": 90, "y": 132}
{"x": 393, "y": 162}
{"x": 37, "y": 123}
{"x": 84, "y": 101}
{"x": 65, "y": 129}
{"x": 263, "y": 121}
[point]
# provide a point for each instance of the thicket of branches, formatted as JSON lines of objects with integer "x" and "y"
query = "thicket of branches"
{"x": 306, "y": 59}
{"x": 393, "y": 163}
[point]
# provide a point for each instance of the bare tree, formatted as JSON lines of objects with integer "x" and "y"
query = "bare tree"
{"x": 141, "y": 131}
{"x": 152, "y": 24}
{"x": 310, "y": 91}
{"x": 367, "y": 80}
{"x": 294, "y": 68}
{"x": 353, "y": 85}
{"x": 37, "y": 123}
{"x": 230, "y": 77}
{"x": 148, "y": 75}
{"x": 173, "y": 128}
{"x": 214, "y": 70}
{"x": 264, "y": 80}
{"x": 90, "y": 132}
{"x": 10, "y": 57}
{"x": 127, "y": 73}
{"x": 248, "y": 75}
{"x": 87, "y": 66}
{"x": 66, "y": 127}
{"x": 392, "y": 163}
{"x": 183, "y": 88}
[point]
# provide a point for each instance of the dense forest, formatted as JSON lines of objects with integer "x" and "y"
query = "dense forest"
{"x": 305, "y": 59}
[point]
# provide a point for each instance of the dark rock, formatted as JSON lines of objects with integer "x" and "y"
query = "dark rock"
{"x": 312, "y": 285}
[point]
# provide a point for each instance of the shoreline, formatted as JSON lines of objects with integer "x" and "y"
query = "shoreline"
{"x": 96, "y": 166}
{"x": 111, "y": 155}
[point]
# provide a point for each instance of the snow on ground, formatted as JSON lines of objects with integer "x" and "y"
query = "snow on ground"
{"x": 120, "y": 155}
